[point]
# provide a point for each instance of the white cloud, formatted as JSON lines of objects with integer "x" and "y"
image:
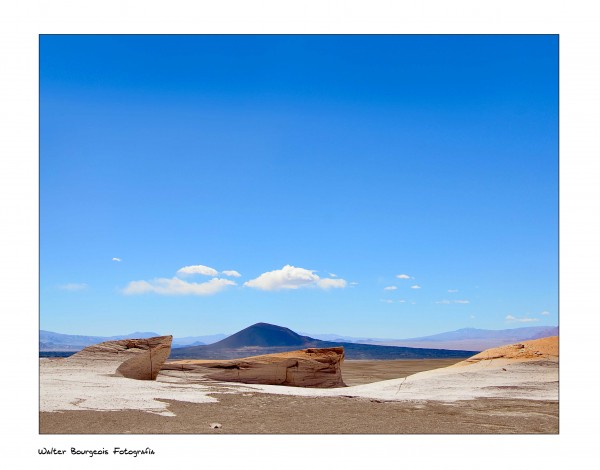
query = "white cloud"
{"x": 332, "y": 275}
{"x": 288, "y": 277}
{"x": 73, "y": 286}
{"x": 231, "y": 273}
{"x": 443, "y": 302}
{"x": 116, "y": 259}
{"x": 452, "y": 291}
{"x": 176, "y": 286}
{"x": 291, "y": 277}
{"x": 331, "y": 283}
{"x": 198, "y": 269}
{"x": 415, "y": 287}
{"x": 390, "y": 288}
{"x": 545, "y": 312}
{"x": 402, "y": 301}
{"x": 403, "y": 276}
{"x": 453, "y": 302}
{"x": 353, "y": 283}
{"x": 522, "y": 320}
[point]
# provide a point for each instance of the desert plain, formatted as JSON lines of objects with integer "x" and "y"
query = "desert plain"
{"x": 510, "y": 389}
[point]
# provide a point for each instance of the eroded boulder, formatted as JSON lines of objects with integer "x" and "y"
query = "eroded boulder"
{"x": 139, "y": 359}
{"x": 313, "y": 367}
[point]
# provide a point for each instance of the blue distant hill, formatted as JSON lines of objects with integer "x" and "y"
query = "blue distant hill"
{"x": 516, "y": 334}
{"x": 472, "y": 338}
{"x": 59, "y": 342}
{"x": 51, "y": 341}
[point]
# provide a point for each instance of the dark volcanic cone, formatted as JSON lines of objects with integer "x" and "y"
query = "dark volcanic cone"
{"x": 263, "y": 335}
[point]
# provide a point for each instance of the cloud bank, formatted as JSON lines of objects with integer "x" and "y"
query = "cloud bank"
{"x": 176, "y": 286}
{"x": 291, "y": 277}
{"x": 288, "y": 277}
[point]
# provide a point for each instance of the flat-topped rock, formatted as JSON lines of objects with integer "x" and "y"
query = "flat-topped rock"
{"x": 139, "y": 359}
{"x": 313, "y": 367}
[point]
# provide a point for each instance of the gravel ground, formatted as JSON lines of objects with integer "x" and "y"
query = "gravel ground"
{"x": 258, "y": 413}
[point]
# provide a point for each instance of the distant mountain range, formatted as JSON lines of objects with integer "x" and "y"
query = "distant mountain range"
{"x": 472, "y": 338}
{"x": 264, "y": 338}
{"x": 516, "y": 334}
{"x": 198, "y": 340}
{"x": 51, "y": 341}
{"x": 528, "y": 332}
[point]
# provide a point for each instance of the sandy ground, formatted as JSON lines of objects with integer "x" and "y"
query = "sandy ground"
{"x": 275, "y": 414}
{"x": 509, "y": 390}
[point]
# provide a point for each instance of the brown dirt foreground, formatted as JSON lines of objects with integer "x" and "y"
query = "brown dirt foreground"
{"x": 253, "y": 413}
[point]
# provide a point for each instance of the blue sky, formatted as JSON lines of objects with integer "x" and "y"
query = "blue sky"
{"x": 318, "y": 168}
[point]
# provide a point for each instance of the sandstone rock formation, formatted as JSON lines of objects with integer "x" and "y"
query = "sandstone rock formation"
{"x": 537, "y": 349}
{"x": 139, "y": 359}
{"x": 311, "y": 367}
